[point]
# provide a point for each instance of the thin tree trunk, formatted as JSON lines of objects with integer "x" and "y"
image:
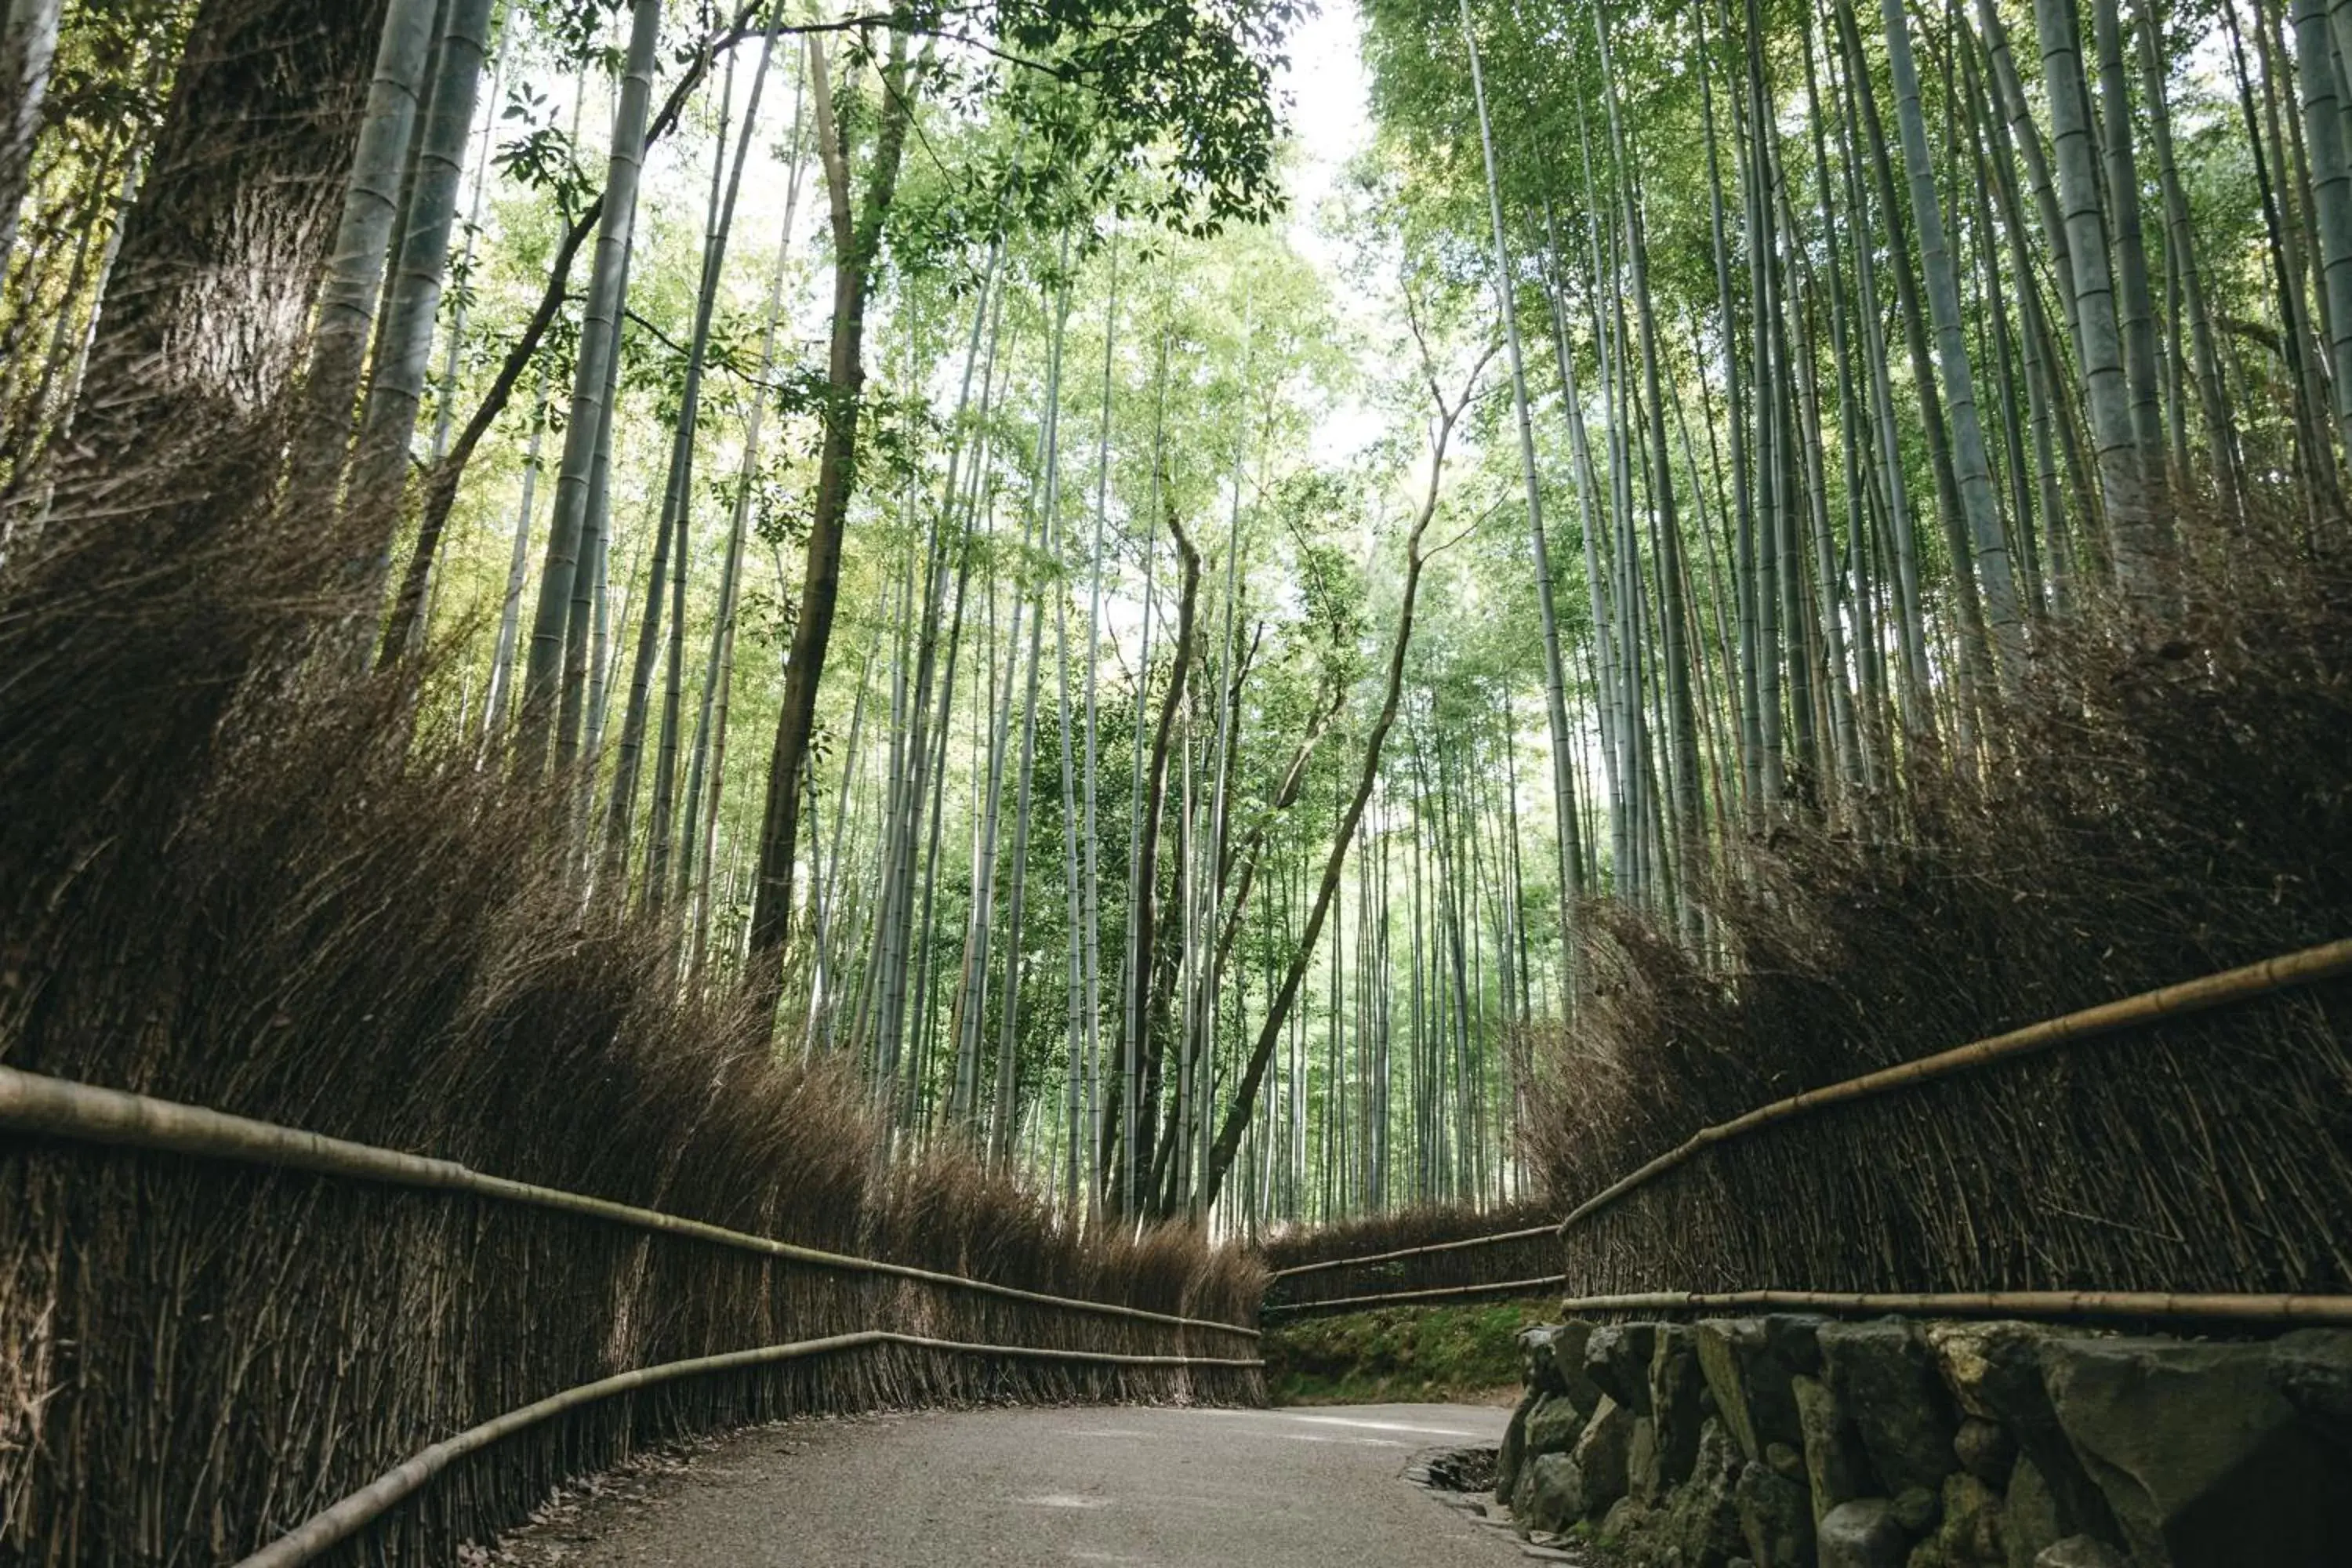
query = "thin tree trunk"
{"x": 2331, "y": 182}
{"x": 1008, "y": 1044}
{"x": 599, "y": 341}
{"x": 355, "y": 279}
{"x": 720, "y": 688}
{"x": 1682, "y": 731}
{"x": 2136, "y": 535}
{"x": 2134, "y": 296}
{"x": 678, "y": 497}
{"x": 1917, "y": 709}
{"x": 502, "y": 657}
{"x": 1971, "y": 466}
{"x": 857, "y": 239}
{"x": 1555, "y": 681}
{"x": 438, "y": 489}
{"x": 1145, "y": 891}
{"x": 404, "y": 352}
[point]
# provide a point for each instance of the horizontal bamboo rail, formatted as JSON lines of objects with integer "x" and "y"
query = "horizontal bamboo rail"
{"x": 1393, "y": 1297}
{"x": 356, "y": 1512}
{"x": 2253, "y": 1309}
{"x": 1497, "y": 1239}
{"x": 30, "y": 1103}
{"x": 2313, "y": 964}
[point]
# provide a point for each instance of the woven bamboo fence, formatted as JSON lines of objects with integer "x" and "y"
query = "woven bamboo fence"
{"x": 2188, "y": 1153}
{"x": 1466, "y": 1254}
{"x": 216, "y": 1329}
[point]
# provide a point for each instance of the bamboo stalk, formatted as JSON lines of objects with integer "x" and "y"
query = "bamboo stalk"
{"x": 1529, "y": 1233}
{"x": 1354, "y": 1304}
{"x": 355, "y": 1513}
{"x": 2307, "y": 967}
{"x": 2261, "y": 1309}
{"x": 31, "y": 1103}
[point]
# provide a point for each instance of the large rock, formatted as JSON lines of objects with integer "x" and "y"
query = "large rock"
{"x": 1973, "y": 1532}
{"x": 2028, "y": 1515}
{"x": 1513, "y": 1453}
{"x": 1678, "y": 1400}
{"x": 1776, "y": 1517}
{"x": 1601, "y": 1455}
{"x": 1985, "y": 1448}
{"x": 2313, "y": 1368}
{"x": 1625, "y": 1529}
{"x": 1986, "y": 1364}
{"x": 1551, "y": 1358}
{"x": 1887, "y": 1381}
{"x": 1617, "y": 1359}
{"x": 1917, "y": 1510}
{"x": 1994, "y": 1371}
{"x": 1562, "y": 1488}
{"x": 1643, "y": 1483}
{"x": 1836, "y": 1471}
{"x": 1550, "y": 1495}
{"x": 2202, "y": 1459}
{"x": 1796, "y": 1339}
{"x": 1748, "y": 1367}
{"x": 1863, "y": 1533}
{"x": 1702, "y": 1515}
{"x": 1554, "y": 1426}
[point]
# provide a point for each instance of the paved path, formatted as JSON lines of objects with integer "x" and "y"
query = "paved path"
{"x": 1153, "y": 1488}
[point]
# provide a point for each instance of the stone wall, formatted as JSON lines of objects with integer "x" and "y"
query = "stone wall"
{"x": 1787, "y": 1441}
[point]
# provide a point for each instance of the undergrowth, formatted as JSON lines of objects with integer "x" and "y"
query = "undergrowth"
{"x": 1401, "y": 1354}
{"x": 1404, "y": 1230}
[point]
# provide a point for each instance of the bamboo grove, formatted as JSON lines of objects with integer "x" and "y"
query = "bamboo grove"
{"x": 1153, "y": 678}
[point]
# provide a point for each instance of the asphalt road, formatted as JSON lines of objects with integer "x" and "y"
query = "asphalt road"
{"x": 1154, "y": 1487}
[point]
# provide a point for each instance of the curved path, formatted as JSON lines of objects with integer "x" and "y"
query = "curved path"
{"x": 1155, "y": 1488}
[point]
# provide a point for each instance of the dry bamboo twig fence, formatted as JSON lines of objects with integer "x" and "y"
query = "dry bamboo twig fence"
{"x": 33, "y": 1103}
{"x": 30, "y": 1103}
{"x": 2250, "y": 982}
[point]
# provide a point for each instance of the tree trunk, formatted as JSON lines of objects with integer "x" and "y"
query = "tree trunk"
{"x": 2205, "y": 361}
{"x": 2135, "y": 297}
{"x": 28, "y": 43}
{"x": 1563, "y": 784}
{"x": 2331, "y": 182}
{"x": 720, "y": 688}
{"x": 1144, "y": 890}
{"x": 599, "y": 341}
{"x": 858, "y": 240}
{"x": 1970, "y": 464}
{"x": 184, "y": 363}
{"x": 438, "y": 490}
{"x": 1682, "y": 730}
{"x": 404, "y": 352}
{"x": 501, "y": 681}
{"x": 2136, "y": 535}
{"x": 363, "y": 240}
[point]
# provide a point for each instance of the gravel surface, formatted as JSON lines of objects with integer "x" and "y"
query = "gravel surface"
{"x": 1156, "y": 1488}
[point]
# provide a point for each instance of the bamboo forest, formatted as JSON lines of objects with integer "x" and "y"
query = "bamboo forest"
{"x": 720, "y": 711}
{"x": 1150, "y": 637}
